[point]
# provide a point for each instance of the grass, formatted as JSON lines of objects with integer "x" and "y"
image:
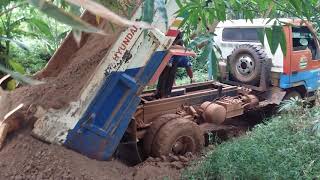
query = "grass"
{"x": 286, "y": 147}
{"x": 184, "y": 80}
{"x": 198, "y": 77}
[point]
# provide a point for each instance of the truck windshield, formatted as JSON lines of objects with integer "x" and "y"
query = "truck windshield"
{"x": 240, "y": 34}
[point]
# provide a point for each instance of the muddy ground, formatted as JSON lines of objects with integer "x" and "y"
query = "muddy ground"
{"x": 24, "y": 157}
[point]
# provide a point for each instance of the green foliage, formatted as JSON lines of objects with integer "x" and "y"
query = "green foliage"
{"x": 150, "y": 6}
{"x": 20, "y": 26}
{"x": 148, "y": 11}
{"x": 182, "y": 79}
{"x": 293, "y": 105}
{"x": 208, "y": 52}
{"x": 36, "y": 59}
{"x": 201, "y": 16}
{"x": 275, "y": 37}
{"x": 64, "y": 17}
{"x": 286, "y": 147}
{"x": 11, "y": 85}
{"x": 17, "y": 76}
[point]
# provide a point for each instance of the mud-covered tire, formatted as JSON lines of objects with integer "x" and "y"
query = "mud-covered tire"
{"x": 246, "y": 63}
{"x": 178, "y": 137}
{"x": 153, "y": 130}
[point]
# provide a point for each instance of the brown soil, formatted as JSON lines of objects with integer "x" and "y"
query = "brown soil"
{"x": 24, "y": 157}
{"x": 65, "y": 87}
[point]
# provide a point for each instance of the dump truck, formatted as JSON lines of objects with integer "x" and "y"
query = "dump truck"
{"x": 114, "y": 106}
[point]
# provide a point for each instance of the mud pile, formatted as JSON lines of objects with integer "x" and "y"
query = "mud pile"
{"x": 24, "y": 157}
{"x": 66, "y": 78}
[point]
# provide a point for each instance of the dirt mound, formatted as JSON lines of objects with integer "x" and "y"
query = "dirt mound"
{"x": 66, "y": 86}
{"x": 27, "y": 158}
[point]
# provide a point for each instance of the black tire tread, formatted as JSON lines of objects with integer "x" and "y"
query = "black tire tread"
{"x": 259, "y": 55}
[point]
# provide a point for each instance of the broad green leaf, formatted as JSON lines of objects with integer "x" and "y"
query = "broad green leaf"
{"x": 148, "y": 10}
{"x": 261, "y": 34}
{"x": 297, "y": 5}
{"x": 199, "y": 40}
{"x": 17, "y": 66}
{"x": 20, "y": 44}
{"x": 19, "y": 77}
{"x": 64, "y": 17}
{"x": 214, "y": 60}
{"x": 278, "y": 35}
{"x": 271, "y": 43}
{"x": 41, "y": 26}
{"x": 11, "y": 85}
{"x": 161, "y": 7}
{"x": 283, "y": 41}
{"x": 179, "y": 3}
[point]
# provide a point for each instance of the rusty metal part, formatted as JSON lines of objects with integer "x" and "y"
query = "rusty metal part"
{"x": 195, "y": 95}
{"x": 223, "y": 70}
{"x": 244, "y": 90}
{"x": 188, "y": 112}
{"x": 274, "y": 95}
{"x": 193, "y": 111}
{"x": 250, "y": 101}
{"x": 233, "y": 105}
{"x": 138, "y": 117}
{"x": 213, "y": 113}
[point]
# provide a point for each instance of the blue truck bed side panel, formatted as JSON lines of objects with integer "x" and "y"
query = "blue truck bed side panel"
{"x": 99, "y": 131}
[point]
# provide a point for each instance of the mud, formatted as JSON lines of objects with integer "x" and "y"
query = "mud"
{"x": 24, "y": 157}
{"x": 66, "y": 86}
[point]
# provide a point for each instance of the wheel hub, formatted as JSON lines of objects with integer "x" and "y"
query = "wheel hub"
{"x": 245, "y": 65}
{"x": 182, "y": 145}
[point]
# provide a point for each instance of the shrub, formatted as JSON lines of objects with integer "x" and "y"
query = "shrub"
{"x": 286, "y": 147}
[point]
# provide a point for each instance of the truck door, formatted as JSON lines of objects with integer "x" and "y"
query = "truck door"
{"x": 305, "y": 58}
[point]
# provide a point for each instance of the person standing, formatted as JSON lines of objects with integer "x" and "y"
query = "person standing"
{"x": 182, "y": 61}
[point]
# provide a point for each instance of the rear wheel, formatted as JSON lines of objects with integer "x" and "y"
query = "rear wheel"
{"x": 153, "y": 130}
{"x": 178, "y": 137}
{"x": 292, "y": 94}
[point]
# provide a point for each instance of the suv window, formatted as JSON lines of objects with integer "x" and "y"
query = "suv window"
{"x": 240, "y": 34}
